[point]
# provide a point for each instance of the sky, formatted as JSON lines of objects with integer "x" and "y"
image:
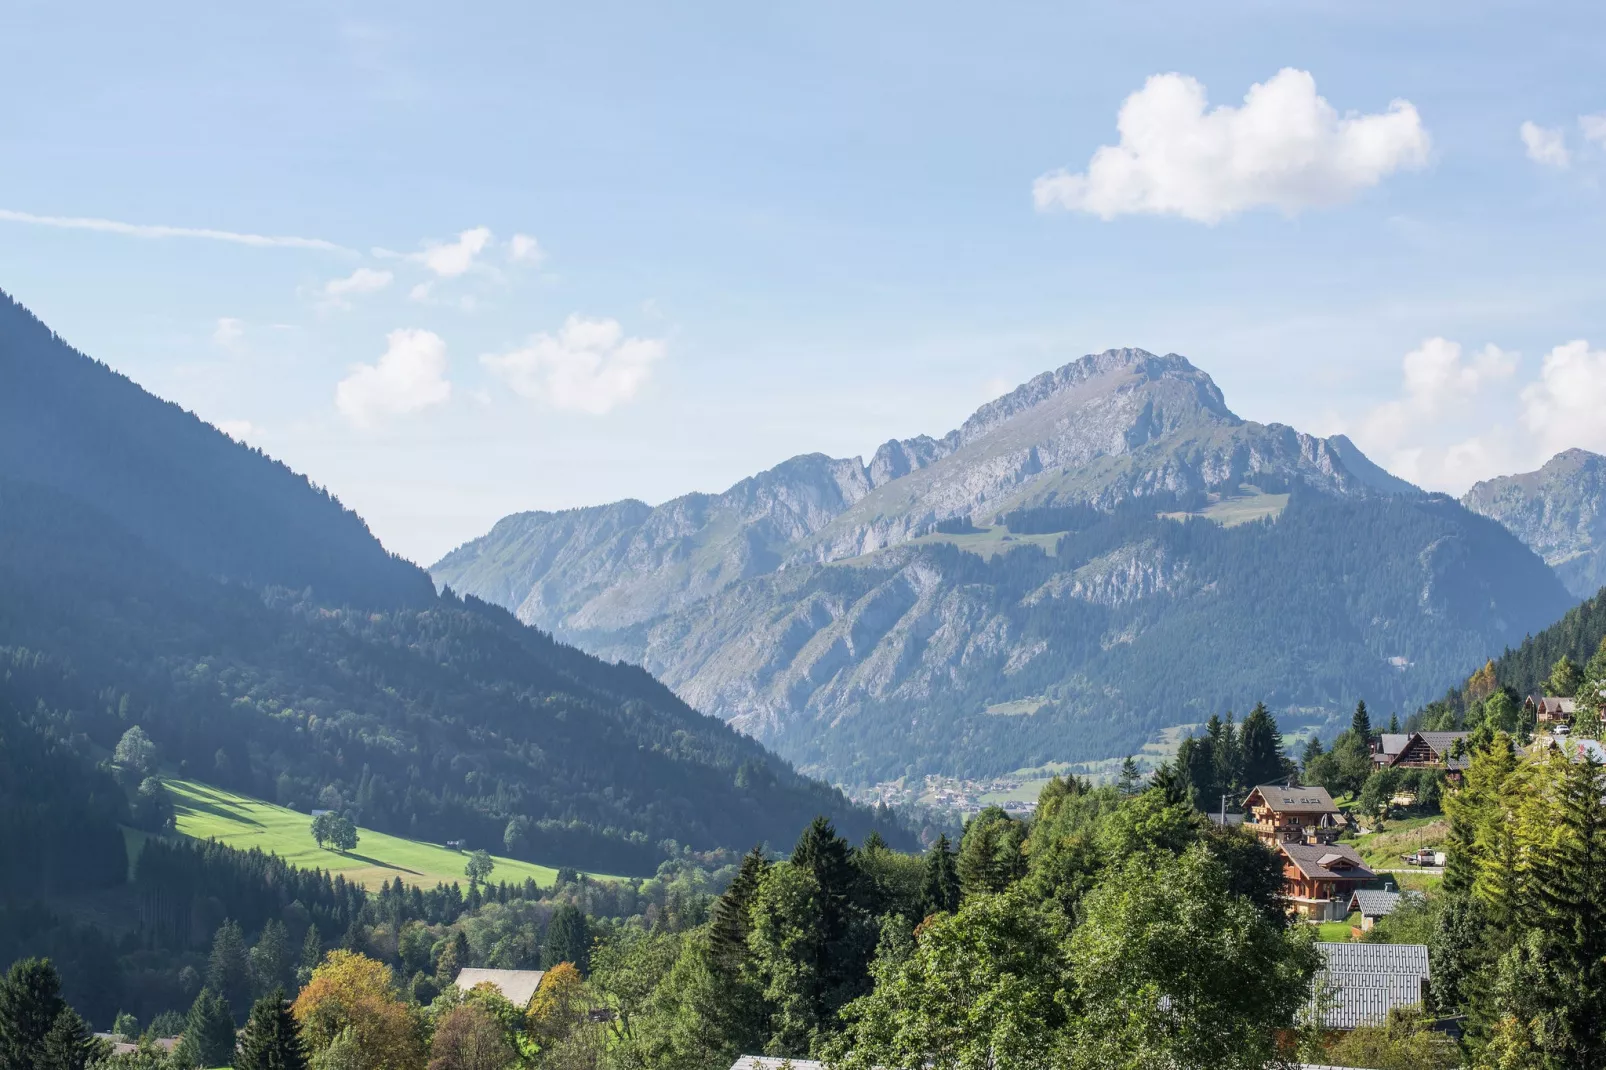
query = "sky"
{"x": 457, "y": 261}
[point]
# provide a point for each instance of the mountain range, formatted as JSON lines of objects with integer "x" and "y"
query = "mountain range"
{"x": 1560, "y": 511}
{"x": 155, "y": 572}
{"x": 1105, "y": 552}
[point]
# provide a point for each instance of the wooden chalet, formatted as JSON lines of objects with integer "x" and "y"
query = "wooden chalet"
{"x": 1433, "y": 750}
{"x": 1549, "y": 711}
{"x": 1279, "y": 814}
{"x": 1320, "y": 879}
{"x": 1387, "y": 747}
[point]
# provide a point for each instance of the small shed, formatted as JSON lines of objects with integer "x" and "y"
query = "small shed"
{"x": 1374, "y": 904}
{"x": 516, "y": 986}
{"x": 1360, "y": 983}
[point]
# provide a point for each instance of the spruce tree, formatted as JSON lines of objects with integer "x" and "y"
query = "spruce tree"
{"x": 272, "y": 1040}
{"x": 1361, "y": 722}
{"x": 568, "y": 938}
{"x": 208, "y": 1032}
{"x": 228, "y": 969}
{"x": 30, "y": 1003}
{"x": 311, "y": 955}
{"x": 1129, "y": 780}
{"x": 728, "y": 929}
{"x": 1572, "y": 891}
{"x": 68, "y": 1045}
{"x": 829, "y": 858}
{"x": 939, "y": 887}
{"x": 1262, "y": 748}
{"x": 1394, "y": 724}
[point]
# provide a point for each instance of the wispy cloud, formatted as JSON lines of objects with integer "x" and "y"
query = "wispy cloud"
{"x": 159, "y": 230}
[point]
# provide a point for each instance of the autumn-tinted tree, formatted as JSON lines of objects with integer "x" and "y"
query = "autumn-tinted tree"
{"x": 352, "y": 1000}
{"x": 469, "y": 1038}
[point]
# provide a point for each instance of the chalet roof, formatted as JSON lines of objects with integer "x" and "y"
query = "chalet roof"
{"x": 1295, "y": 799}
{"x": 1441, "y": 742}
{"x": 517, "y": 986}
{"x": 1393, "y": 742}
{"x": 1374, "y": 904}
{"x": 1553, "y": 706}
{"x": 1335, "y": 861}
{"x": 1363, "y": 982}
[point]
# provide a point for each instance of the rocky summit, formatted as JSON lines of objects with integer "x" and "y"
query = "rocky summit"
{"x": 1104, "y": 552}
{"x": 1559, "y": 511}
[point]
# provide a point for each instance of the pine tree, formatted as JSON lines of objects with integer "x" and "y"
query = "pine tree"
{"x": 270, "y": 958}
{"x": 228, "y": 969}
{"x": 829, "y": 858}
{"x": 30, "y": 1003}
{"x": 1572, "y": 891}
{"x": 568, "y": 939}
{"x": 311, "y": 955}
{"x": 272, "y": 1040}
{"x": 208, "y": 1032}
{"x": 1262, "y": 747}
{"x": 68, "y": 1045}
{"x": 1361, "y": 722}
{"x": 939, "y": 887}
{"x": 1394, "y": 724}
{"x": 1313, "y": 751}
{"x": 1127, "y": 783}
{"x": 728, "y": 929}
{"x": 1565, "y": 676}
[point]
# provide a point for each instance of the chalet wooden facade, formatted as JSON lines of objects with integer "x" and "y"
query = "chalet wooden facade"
{"x": 1549, "y": 711}
{"x": 1320, "y": 879}
{"x": 1278, "y": 814}
{"x": 1434, "y": 750}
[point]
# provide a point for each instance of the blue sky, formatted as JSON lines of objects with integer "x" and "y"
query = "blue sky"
{"x": 557, "y": 255}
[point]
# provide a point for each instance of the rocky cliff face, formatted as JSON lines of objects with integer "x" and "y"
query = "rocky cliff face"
{"x": 873, "y": 619}
{"x": 1559, "y": 511}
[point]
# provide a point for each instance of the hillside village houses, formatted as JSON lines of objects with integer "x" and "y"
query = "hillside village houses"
{"x": 1421, "y": 750}
{"x": 1320, "y": 876}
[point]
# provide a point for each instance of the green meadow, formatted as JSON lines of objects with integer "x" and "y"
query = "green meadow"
{"x": 205, "y": 812}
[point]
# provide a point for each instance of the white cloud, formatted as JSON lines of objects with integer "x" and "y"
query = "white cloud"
{"x": 1593, "y": 127}
{"x": 420, "y": 293}
{"x": 228, "y": 332}
{"x": 411, "y": 375}
{"x": 362, "y": 281}
{"x": 1545, "y": 145}
{"x": 238, "y": 430}
{"x": 1563, "y": 408}
{"x": 525, "y": 249}
{"x": 588, "y": 365}
{"x": 1285, "y": 148}
{"x": 451, "y": 259}
{"x": 156, "y": 230}
{"x": 1421, "y": 435}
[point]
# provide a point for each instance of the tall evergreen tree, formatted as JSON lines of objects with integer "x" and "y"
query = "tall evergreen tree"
{"x": 728, "y": 929}
{"x": 939, "y": 886}
{"x": 990, "y": 854}
{"x": 1313, "y": 751}
{"x": 1129, "y": 780}
{"x": 1361, "y": 722}
{"x": 568, "y": 938}
{"x": 208, "y": 1032}
{"x": 270, "y": 958}
{"x": 1394, "y": 724}
{"x": 1573, "y": 896}
{"x": 228, "y": 969}
{"x": 1262, "y": 747}
{"x": 68, "y": 1045}
{"x": 1565, "y": 676}
{"x": 272, "y": 1039}
{"x": 30, "y": 1003}
{"x": 829, "y": 859}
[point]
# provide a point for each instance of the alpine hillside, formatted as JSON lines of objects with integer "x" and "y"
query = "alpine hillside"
{"x": 156, "y": 573}
{"x": 1104, "y": 552}
{"x": 1559, "y": 511}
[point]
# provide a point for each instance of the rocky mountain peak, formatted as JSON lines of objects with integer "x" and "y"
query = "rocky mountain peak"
{"x": 1559, "y": 511}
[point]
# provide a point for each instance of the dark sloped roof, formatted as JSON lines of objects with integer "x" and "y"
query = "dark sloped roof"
{"x": 1363, "y": 982}
{"x": 1374, "y": 904}
{"x": 1296, "y": 800}
{"x": 1327, "y": 861}
{"x": 1394, "y": 742}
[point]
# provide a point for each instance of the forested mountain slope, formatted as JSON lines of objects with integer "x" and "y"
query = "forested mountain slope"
{"x": 1102, "y": 553}
{"x": 209, "y": 504}
{"x": 1559, "y": 511}
{"x": 428, "y": 715}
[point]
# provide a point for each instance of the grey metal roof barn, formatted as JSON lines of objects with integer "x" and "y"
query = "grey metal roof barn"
{"x": 1375, "y": 904}
{"x": 1363, "y": 982}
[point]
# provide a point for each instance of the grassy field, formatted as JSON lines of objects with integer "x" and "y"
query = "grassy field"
{"x": 205, "y": 812}
{"x": 1251, "y": 504}
{"x": 1158, "y": 750}
{"x": 1401, "y": 837}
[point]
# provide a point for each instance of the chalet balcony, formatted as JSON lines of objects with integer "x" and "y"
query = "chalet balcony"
{"x": 1291, "y": 833}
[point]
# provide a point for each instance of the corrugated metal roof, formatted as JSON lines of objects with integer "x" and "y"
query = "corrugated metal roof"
{"x": 1363, "y": 982}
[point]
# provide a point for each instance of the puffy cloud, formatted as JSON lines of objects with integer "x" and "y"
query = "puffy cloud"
{"x": 451, "y": 259}
{"x": 1562, "y": 409}
{"x": 525, "y": 249}
{"x": 1593, "y": 127}
{"x": 362, "y": 281}
{"x": 1421, "y": 435}
{"x": 588, "y": 365}
{"x": 228, "y": 332}
{"x": 1545, "y": 145}
{"x": 1285, "y": 148}
{"x": 411, "y": 375}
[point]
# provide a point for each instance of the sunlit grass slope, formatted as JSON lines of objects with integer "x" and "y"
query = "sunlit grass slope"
{"x": 205, "y": 812}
